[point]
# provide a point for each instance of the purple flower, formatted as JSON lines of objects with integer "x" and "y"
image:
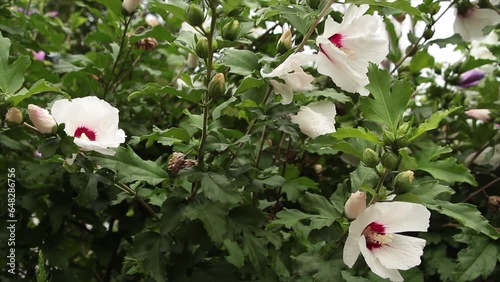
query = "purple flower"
{"x": 52, "y": 14}
{"x": 40, "y": 55}
{"x": 471, "y": 78}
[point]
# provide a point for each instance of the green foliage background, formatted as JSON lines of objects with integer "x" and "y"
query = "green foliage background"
{"x": 265, "y": 203}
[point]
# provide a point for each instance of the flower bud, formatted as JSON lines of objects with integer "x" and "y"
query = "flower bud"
{"x": 42, "y": 120}
{"x": 147, "y": 44}
{"x": 370, "y": 158}
{"x": 313, "y": 3}
{"x": 192, "y": 61}
{"x": 403, "y": 181}
{"x": 231, "y": 30}
{"x": 428, "y": 33}
{"x": 194, "y": 15}
{"x": 400, "y": 17}
{"x": 152, "y": 20}
{"x": 14, "y": 115}
{"x": 355, "y": 205}
{"x": 389, "y": 160}
{"x": 388, "y": 138}
{"x": 470, "y": 78}
{"x": 130, "y": 5}
{"x": 480, "y": 114}
{"x": 285, "y": 42}
{"x": 217, "y": 86}
{"x": 202, "y": 48}
{"x": 178, "y": 161}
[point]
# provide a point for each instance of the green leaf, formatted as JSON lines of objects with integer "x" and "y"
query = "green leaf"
{"x": 217, "y": 111}
{"x": 247, "y": 83}
{"x": 385, "y": 107}
{"x": 319, "y": 204}
{"x": 113, "y": 5}
{"x": 402, "y": 5}
{"x": 330, "y": 93}
{"x": 155, "y": 90}
{"x": 148, "y": 248}
{"x": 11, "y": 76}
{"x": 236, "y": 256}
{"x": 176, "y": 8}
{"x": 288, "y": 218}
{"x": 449, "y": 171}
{"x": 130, "y": 167}
{"x": 359, "y": 132}
{"x": 212, "y": 215}
{"x": 217, "y": 187}
{"x": 465, "y": 214}
{"x": 88, "y": 193}
{"x": 295, "y": 188}
{"x": 421, "y": 60}
{"x": 432, "y": 122}
{"x": 478, "y": 259}
{"x": 41, "y": 274}
{"x": 40, "y": 86}
{"x": 242, "y": 62}
{"x": 363, "y": 177}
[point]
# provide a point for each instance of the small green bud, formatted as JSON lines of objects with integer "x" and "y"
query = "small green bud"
{"x": 231, "y": 30}
{"x": 370, "y": 158}
{"x": 284, "y": 43}
{"x": 194, "y": 15}
{"x": 434, "y": 8}
{"x": 403, "y": 181}
{"x": 217, "y": 86}
{"x": 202, "y": 48}
{"x": 428, "y": 33}
{"x": 14, "y": 116}
{"x": 389, "y": 160}
{"x": 400, "y": 17}
{"x": 314, "y": 4}
{"x": 388, "y": 138}
{"x": 403, "y": 130}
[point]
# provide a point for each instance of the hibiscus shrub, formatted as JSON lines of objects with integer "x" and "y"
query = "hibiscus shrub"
{"x": 225, "y": 140}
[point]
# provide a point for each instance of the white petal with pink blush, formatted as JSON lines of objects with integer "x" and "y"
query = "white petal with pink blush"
{"x": 374, "y": 235}
{"x": 345, "y": 49}
{"x": 92, "y": 121}
{"x": 316, "y": 119}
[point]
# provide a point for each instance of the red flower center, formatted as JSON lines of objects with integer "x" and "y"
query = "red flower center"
{"x": 336, "y": 40}
{"x": 375, "y": 236}
{"x": 86, "y": 131}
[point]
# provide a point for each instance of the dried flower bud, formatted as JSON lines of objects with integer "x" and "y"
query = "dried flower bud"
{"x": 194, "y": 15}
{"x": 494, "y": 201}
{"x": 403, "y": 181}
{"x": 285, "y": 42}
{"x": 389, "y": 160}
{"x": 355, "y": 205}
{"x": 370, "y": 158}
{"x": 147, "y": 44}
{"x": 202, "y": 48}
{"x": 217, "y": 86}
{"x": 14, "y": 115}
{"x": 42, "y": 120}
{"x": 178, "y": 161}
{"x": 192, "y": 61}
{"x": 130, "y": 5}
{"x": 231, "y": 30}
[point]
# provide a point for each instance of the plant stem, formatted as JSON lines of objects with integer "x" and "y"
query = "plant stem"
{"x": 120, "y": 51}
{"x": 29, "y": 126}
{"x": 261, "y": 146}
{"x": 484, "y": 147}
{"x": 415, "y": 45}
{"x": 314, "y": 25}
{"x": 139, "y": 199}
{"x": 379, "y": 184}
{"x": 482, "y": 189}
{"x": 283, "y": 172}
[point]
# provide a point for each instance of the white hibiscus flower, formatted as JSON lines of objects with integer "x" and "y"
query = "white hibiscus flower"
{"x": 345, "y": 49}
{"x": 294, "y": 77}
{"x": 316, "y": 119}
{"x": 92, "y": 121}
{"x": 373, "y": 234}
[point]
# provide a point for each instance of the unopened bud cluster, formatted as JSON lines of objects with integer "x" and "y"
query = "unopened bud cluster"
{"x": 231, "y": 30}
{"x": 178, "y": 161}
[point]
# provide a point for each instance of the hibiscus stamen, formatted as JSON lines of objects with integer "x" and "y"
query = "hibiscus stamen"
{"x": 375, "y": 236}
{"x": 87, "y": 133}
{"x": 336, "y": 40}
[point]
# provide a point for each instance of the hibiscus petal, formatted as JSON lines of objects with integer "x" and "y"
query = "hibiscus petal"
{"x": 402, "y": 216}
{"x": 375, "y": 264}
{"x": 284, "y": 90}
{"x": 351, "y": 249}
{"x": 316, "y": 118}
{"x": 403, "y": 252}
